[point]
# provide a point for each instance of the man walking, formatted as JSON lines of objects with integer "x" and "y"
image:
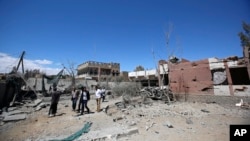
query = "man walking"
{"x": 85, "y": 97}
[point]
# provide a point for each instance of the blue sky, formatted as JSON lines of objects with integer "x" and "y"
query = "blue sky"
{"x": 55, "y": 32}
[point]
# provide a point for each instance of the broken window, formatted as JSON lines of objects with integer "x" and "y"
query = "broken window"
{"x": 165, "y": 81}
{"x": 239, "y": 76}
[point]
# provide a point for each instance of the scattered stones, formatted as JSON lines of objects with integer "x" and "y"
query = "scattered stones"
{"x": 189, "y": 121}
{"x": 133, "y": 123}
{"x": 136, "y": 117}
{"x": 204, "y": 110}
{"x": 120, "y": 105}
{"x": 105, "y": 110}
{"x": 168, "y": 124}
{"x": 118, "y": 118}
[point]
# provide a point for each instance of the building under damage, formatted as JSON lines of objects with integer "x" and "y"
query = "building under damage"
{"x": 100, "y": 71}
{"x": 212, "y": 76}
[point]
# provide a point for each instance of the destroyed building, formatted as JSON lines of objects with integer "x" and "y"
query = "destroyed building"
{"x": 98, "y": 70}
{"x": 212, "y": 76}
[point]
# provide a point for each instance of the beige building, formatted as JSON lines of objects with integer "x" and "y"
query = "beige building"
{"x": 98, "y": 70}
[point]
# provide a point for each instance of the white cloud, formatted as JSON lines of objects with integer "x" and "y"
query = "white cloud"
{"x": 7, "y": 62}
{"x": 43, "y": 62}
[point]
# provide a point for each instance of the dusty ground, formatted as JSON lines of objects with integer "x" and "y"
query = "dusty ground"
{"x": 190, "y": 121}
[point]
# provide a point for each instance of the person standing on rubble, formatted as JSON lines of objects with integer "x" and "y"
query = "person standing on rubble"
{"x": 84, "y": 98}
{"x": 103, "y": 93}
{"x": 74, "y": 98}
{"x": 54, "y": 101}
{"x": 98, "y": 95}
{"x": 79, "y": 93}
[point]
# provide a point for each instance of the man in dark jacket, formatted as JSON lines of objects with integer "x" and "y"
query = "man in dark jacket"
{"x": 84, "y": 98}
{"x": 54, "y": 101}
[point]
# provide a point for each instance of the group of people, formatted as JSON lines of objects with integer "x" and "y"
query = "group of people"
{"x": 82, "y": 96}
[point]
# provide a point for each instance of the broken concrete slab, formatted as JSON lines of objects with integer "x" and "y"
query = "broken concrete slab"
{"x": 12, "y": 108}
{"x": 204, "y": 110}
{"x": 14, "y": 117}
{"x": 13, "y": 112}
{"x": 112, "y": 134}
{"x": 40, "y": 106}
{"x": 128, "y": 133}
{"x": 36, "y": 102}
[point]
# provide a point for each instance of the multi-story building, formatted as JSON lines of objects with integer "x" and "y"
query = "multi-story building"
{"x": 98, "y": 70}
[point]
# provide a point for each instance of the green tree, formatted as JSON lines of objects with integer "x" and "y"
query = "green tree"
{"x": 245, "y": 35}
{"x": 139, "y": 68}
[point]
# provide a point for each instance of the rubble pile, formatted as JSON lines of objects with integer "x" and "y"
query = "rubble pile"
{"x": 140, "y": 119}
{"x": 21, "y": 111}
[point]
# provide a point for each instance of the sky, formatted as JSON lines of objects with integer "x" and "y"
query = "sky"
{"x": 57, "y": 33}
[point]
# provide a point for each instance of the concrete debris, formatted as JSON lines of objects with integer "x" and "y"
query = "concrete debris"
{"x": 120, "y": 105}
{"x": 240, "y": 103}
{"x": 115, "y": 136}
{"x": 40, "y": 106}
{"x": 106, "y": 109}
{"x": 118, "y": 118}
{"x": 168, "y": 124}
{"x": 189, "y": 121}
{"x": 204, "y": 110}
{"x": 133, "y": 123}
{"x": 1, "y": 117}
{"x": 13, "y": 112}
{"x": 240, "y": 89}
{"x": 203, "y": 123}
{"x": 36, "y": 102}
{"x": 147, "y": 127}
{"x": 12, "y": 108}
{"x": 128, "y": 133}
{"x": 14, "y": 117}
{"x": 1, "y": 123}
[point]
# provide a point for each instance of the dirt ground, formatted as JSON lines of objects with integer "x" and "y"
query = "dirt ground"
{"x": 151, "y": 120}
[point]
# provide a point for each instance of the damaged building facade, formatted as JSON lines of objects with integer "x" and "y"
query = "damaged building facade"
{"x": 98, "y": 70}
{"x": 212, "y": 76}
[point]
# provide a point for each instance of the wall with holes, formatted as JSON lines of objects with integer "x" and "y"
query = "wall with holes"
{"x": 191, "y": 78}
